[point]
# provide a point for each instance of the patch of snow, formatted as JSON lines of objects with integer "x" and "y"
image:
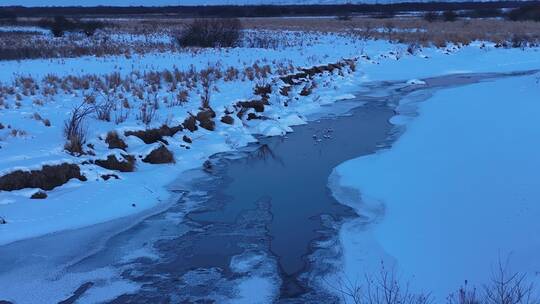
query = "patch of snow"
{"x": 255, "y": 290}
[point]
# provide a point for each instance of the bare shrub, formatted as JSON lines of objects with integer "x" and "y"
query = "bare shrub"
{"x": 465, "y": 295}
{"x": 211, "y": 33}
{"x": 147, "y": 112}
{"x": 103, "y": 109}
{"x": 231, "y": 74}
{"x": 75, "y": 130}
{"x": 505, "y": 287}
{"x": 207, "y": 79}
{"x": 181, "y": 98}
{"x": 381, "y": 288}
{"x": 508, "y": 287}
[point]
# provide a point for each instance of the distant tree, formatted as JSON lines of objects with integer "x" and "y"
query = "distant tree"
{"x": 60, "y": 24}
{"x": 529, "y": 12}
{"x": 90, "y": 27}
{"x": 7, "y": 16}
{"x": 346, "y": 16}
{"x": 431, "y": 16}
{"x": 449, "y": 16}
{"x": 216, "y": 32}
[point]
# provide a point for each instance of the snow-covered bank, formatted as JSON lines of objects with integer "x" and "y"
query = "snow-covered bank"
{"x": 28, "y": 143}
{"x": 456, "y": 193}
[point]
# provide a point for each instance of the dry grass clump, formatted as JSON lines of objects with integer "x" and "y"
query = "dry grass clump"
{"x": 127, "y": 164}
{"x": 47, "y": 178}
{"x": 150, "y": 136}
{"x": 46, "y": 122}
{"x": 75, "y": 130}
{"x": 17, "y": 133}
{"x": 407, "y": 30}
{"x": 161, "y": 155}
{"x": 190, "y": 123}
{"x": 205, "y": 119}
{"x": 227, "y": 119}
{"x": 115, "y": 142}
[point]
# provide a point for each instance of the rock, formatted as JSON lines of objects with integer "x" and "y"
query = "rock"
{"x": 39, "y": 195}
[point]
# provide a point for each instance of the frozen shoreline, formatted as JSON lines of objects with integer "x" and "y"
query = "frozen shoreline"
{"x": 436, "y": 201}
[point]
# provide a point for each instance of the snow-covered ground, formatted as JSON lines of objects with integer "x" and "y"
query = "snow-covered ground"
{"x": 33, "y": 114}
{"x": 456, "y": 193}
{"x": 486, "y": 128}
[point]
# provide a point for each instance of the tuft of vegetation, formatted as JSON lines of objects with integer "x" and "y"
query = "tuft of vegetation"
{"x": 205, "y": 118}
{"x": 47, "y": 178}
{"x": 150, "y": 136}
{"x": 190, "y": 123}
{"x": 127, "y": 164}
{"x": 75, "y": 130}
{"x": 114, "y": 141}
{"x": 161, "y": 155}
{"x": 227, "y": 119}
{"x": 211, "y": 33}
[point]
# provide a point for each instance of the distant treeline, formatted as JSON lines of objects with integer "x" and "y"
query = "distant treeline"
{"x": 261, "y": 10}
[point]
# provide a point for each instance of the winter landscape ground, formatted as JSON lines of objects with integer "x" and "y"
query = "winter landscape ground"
{"x": 274, "y": 160}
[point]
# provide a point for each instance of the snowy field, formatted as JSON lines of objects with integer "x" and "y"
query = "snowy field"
{"x": 462, "y": 178}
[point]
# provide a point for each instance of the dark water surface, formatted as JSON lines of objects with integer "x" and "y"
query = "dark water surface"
{"x": 291, "y": 174}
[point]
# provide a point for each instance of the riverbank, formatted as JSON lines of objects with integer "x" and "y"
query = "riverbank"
{"x": 455, "y": 195}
